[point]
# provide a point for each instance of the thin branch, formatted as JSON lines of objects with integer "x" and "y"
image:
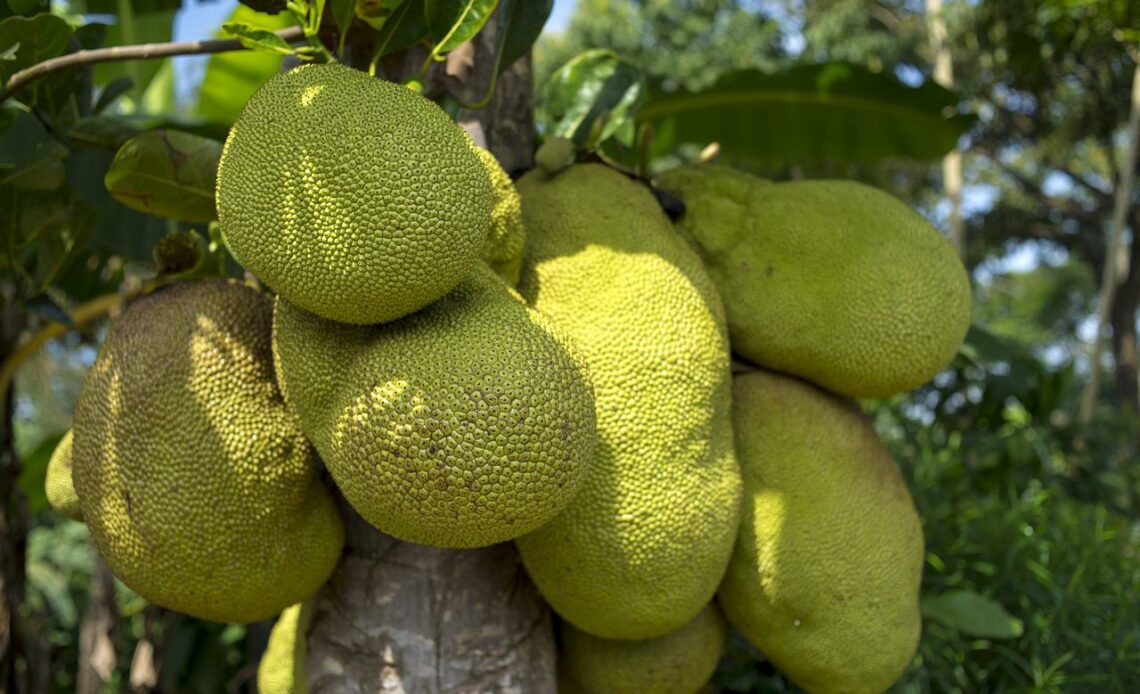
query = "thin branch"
{"x": 144, "y": 51}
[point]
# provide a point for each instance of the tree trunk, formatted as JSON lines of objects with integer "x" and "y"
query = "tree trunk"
{"x": 1123, "y": 320}
{"x": 400, "y": 617}
{"x": 97, "y": 631}
{"x": 952, "y": 162}
{"x": 1110, "y": 282}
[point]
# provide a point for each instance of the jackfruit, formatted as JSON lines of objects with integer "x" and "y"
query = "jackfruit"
{"x": 354, "y": 198}
{"x": 199, "y": 488}
{"x": 58, "y": 485}
{"x": 833, "y": 281}
{"x": 465, "y": 424}
{"x": 825, "y": 575}
{"x": 505, "y": 244}
{"x": 680, "y": 662}
{"x": 282, "y": 666}
{"x": 640, "y": 551}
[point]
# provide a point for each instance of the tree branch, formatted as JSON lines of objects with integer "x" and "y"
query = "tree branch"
{"x": 145, "y": 51}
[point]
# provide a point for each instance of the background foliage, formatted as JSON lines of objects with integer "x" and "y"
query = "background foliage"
{"x": 1031, "y": 518}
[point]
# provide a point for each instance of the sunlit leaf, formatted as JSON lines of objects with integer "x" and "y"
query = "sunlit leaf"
{"x": 231, "y": 78}
{"x": 375, "y": 13}
{"x": 168, "y": 174}
{"x": 519, "y": 24}
{"x": 453, "y": 22}
{"x": 257, "y": 39}
{"x": 592, "y": 97}
{"x": 811, "y": 114}
{"x": 972, "y": 614}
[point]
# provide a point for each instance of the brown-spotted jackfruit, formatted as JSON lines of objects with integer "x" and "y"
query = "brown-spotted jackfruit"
{"x": 282, "y": 666}
{"x": 833, "y": 281}
{"x": 640, "y": 551}
{"x": 505, "y": 244}
{"x": 825, "y": 575}
{"x": 465, "y": 424}
{"x": 354, "y": 198}
{"x": 680, "y": 662}
{"x": 58, "y": 485}
{"x": 199, "y": 488}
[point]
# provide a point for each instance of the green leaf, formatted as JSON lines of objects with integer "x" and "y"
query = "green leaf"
{"x": 138, "y": 7}
{"x": 520, "y": 23}
{"x": 154, "y": 27}
{"x": 343, "y": 12}
{"x": 592, "y": 97}
{"x": 375, "y": 13}
{"x": 42, "y": 170}
{"x": 23, "y": 6}
{"x": 167, "y": 173}
{"x": 257, "y": 39}
{"x": 453, "y": 22}
{"x": 34, "y": 40}
{"x": 972, "y": 614}
{"x": 833, "y": 112}
{"x": 101, "y": 132}
{"x": 113, "y": 90}
{"x": 231, "y": 78}
{"x": 407, "y": 26}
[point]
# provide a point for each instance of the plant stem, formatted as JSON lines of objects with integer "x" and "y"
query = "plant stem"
{"x": 144, "y": 51}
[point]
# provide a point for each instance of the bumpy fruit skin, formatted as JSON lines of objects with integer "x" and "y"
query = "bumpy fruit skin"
{"x": 465, "y": 424}
{"x": 58, "y": 485}
{"x": 640, "y": 551}
{"x": 199, "y": 488}
{"x": 826, "y": 571}
{"x": 355, "y": 199}
{"x": 282, "y": 667}
{"x": 833, "y": 281}
{"x": 504, "y": 248}
{"x": 680, "y": 662}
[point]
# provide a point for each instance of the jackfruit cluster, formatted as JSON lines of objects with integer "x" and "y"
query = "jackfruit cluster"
{"x": 591, "y": 416}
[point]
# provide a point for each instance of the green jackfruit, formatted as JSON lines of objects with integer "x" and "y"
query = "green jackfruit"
{"x": 199, "y": 488}
{"x": 640, "y": 551}
{"x": 680, "y": 662}
{"x": 282, "y": 666}
{"x": 833, "y": 281}
{"x": 58, "y": 485}
{"x": 465, "y": 424}
{"x": 505, "y": 244}
{"x": 354, "y": 198}
{"x": 826, "y": 571}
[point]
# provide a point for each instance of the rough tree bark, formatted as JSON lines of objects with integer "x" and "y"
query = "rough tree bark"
{"x": 98, "y": 631}
{"x": 399, "y": 617}
{"x": 1123, "y": 320}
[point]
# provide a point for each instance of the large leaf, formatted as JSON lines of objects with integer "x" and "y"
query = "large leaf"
{"x": 406, "y": 26}
{"x": 814, "y": 113}
{"x": 27, "y": 41}
{"x": 453, "y": 22}
{"x": 231, "y": 78}
{"x": 519, "y": 24}
{"x": 167, "y": 173}
{"x": 972, "y": 614}
{"x": 592, "y": 97}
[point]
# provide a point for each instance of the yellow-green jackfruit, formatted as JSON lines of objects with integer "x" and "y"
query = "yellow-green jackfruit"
{"x": 505, "y": 244}
{"x": 354, "y": 198}
{"x": 680, "y": 662}
{"x": 199, "y": 488}
{"x": 833, "y": 281}
{"x": 282, "y": 666}
{"x": 826, "y": 571}
{"x": 465, "y": 424}
{"x": 58, "y": 485}
{"x": 640, "y": 551}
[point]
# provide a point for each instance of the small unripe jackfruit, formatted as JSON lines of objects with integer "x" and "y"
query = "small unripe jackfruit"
{"x": 354, "y": 198}
{"x": 680, "y": 662}
{"x": 58, "y": 485}
{"x": 282, "y": 667}
{"x": 640, "y": 551}
{"x": 465, "y": 424}
{"x": 199, "y": 488}
{"x": 505, "y": 244}
{"x": 826, "y": 571}
{"x": 832, "y": 281}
